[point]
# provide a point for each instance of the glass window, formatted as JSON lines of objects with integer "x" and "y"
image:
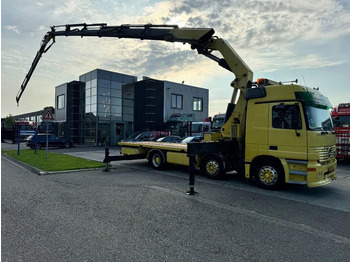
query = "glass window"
{"x": 176, "y": 101}
{"x": 93, "y": 99}
{"x": 88, "y": 100}
{"x": 197, "y": 104}
{"x": 319, "y": 118}
{"x": 102, "y": 91}
{"x": 116, "y": 101}
{"x": 116, "y": 92}
{"x": 88, "y": 84}
{"x": 94, "y": 91}
{"x": 116, "y": 110}
{"x": 60, "y": 102}
{"x": 87, "y": 109}
{"x": 104, "y": 83}
{"x": 103, "y": 108}
{"x": 286, "y": 117}
{"x": 116, "y": 85}
{"x": 103, "y": 100}
{"x": 102, "y": 116}
{"x": 341, "y": 121}
{"x": 87, "y": 92}
{"x": 93, "y": 108}
{"x": 94, "y": 82}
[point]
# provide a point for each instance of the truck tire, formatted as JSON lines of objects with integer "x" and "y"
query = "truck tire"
{"x": 66, "y": 145}
{"x": 213, "y": 167}
{"x": 269, "y": 175}
{"x": 156, "y": 160}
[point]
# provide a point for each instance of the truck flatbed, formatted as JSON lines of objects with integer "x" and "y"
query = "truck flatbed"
{"x": 178, "y": 147}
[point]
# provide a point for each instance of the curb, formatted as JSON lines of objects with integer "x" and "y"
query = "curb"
{"x": 20, "y": 163}
{"x": 43, "y": 173}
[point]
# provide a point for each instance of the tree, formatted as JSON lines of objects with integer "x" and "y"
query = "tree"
{"x": 9, "y": 121}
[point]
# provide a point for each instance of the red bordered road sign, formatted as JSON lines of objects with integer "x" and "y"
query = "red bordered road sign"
{"x": 48, "y": 115}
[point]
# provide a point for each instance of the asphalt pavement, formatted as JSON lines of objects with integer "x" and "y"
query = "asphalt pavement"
{"x": 134, "y": 213}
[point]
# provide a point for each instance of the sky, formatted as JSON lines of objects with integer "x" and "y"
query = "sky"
{"x": 281, "y": 40}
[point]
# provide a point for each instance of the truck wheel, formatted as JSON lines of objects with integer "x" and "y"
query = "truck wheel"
{"x": 269, "y": 175}
{"x": 66, "y": 145}
{"x": 213, "y": 167}
{"x": 157, "y": 160}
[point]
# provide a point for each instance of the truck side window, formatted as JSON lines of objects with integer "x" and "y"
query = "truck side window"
{"x": 286, "y": 117}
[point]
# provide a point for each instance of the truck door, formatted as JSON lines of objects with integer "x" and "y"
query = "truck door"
{"x": 287, "y": 131}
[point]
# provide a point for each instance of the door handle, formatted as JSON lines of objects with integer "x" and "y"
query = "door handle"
{"x": 273, "y": 147}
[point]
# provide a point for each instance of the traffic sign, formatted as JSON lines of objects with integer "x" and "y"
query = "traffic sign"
{"x": 48, "y": 115}
{"x": 27, "y": 132}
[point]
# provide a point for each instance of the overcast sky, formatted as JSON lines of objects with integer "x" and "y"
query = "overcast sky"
{"x": 279, "y": 39}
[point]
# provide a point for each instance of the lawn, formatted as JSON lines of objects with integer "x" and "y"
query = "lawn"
{"x": 54, "y": 161}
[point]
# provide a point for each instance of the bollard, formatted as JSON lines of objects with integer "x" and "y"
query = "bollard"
{"x": 106, "y": 160}
{"x": 192, "y": 171}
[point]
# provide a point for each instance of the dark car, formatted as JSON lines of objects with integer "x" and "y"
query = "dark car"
{"x": 192, "y": 139}
{"x": 169, "y": 139}
{"x": 146, "y": 136}
{"x": 53, "y": 141}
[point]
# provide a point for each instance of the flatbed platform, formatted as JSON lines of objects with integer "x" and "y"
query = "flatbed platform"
{"x": 178, "y": 147}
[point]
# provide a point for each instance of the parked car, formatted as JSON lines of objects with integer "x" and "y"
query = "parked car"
{"x": 191, "y": 139}
{"x": 53, "y": 141}
{"x": 146, "y": 136}
{"x": 169, "y": 139}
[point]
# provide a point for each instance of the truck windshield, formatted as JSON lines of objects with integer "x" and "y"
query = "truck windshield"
{"x": 171, "y": 125}
{"x": 218, "y": 123}
{"x": 341, "y": 121}
{"x": 319, "y": 119}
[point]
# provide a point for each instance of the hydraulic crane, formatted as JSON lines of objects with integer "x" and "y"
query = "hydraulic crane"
{"x": 200, "y": 39}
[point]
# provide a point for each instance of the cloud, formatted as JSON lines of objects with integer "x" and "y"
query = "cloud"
{"x": 268, "y": 34}
{"x": 253, "y": 23}
{"x": 13, "y": 28}
{"x": 42, "y": 28}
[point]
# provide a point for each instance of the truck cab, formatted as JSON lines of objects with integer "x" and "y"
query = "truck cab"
{"x": 341, "y": 120}
{"x": 289, "y": 136}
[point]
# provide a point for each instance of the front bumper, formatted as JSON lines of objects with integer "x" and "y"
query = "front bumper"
{"x": 321, "y": 174}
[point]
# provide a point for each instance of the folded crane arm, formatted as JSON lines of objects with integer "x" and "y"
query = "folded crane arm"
{"x": 200, "y": 39}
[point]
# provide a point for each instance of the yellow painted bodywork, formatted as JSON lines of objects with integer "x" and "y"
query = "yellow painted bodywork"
{"x": 177, "y": 158}
{"x": 146, "y": 145}
{"x": 175, "y": 153}
{"x": 215, "y": 136}
{"x": 305, "y": 158}
{"x": 132, "y": 150}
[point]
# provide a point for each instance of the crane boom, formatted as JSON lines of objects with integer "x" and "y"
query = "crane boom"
{"x": 201, "y": 39}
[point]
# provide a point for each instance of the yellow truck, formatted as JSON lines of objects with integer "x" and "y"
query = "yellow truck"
{"x": 274, "y": 133}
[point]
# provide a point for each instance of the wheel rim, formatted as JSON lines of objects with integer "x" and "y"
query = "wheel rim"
{"x": 212, "y": 167}
{"x": 156, "y": 160}
{"x": 268, "y": 175}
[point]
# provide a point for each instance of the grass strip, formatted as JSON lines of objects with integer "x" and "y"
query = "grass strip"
{"x": 54, "y": 161}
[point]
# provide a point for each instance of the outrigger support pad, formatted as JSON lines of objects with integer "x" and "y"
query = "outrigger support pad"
{"x": 192, "y": 170}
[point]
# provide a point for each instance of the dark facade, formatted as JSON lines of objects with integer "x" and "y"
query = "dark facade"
{"x": 69, "y": 109}
{"x": 155, "y": 101}
{"x": 149, "y": 105}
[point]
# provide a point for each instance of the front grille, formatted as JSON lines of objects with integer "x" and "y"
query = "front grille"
{"x": 325, "y": 154}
